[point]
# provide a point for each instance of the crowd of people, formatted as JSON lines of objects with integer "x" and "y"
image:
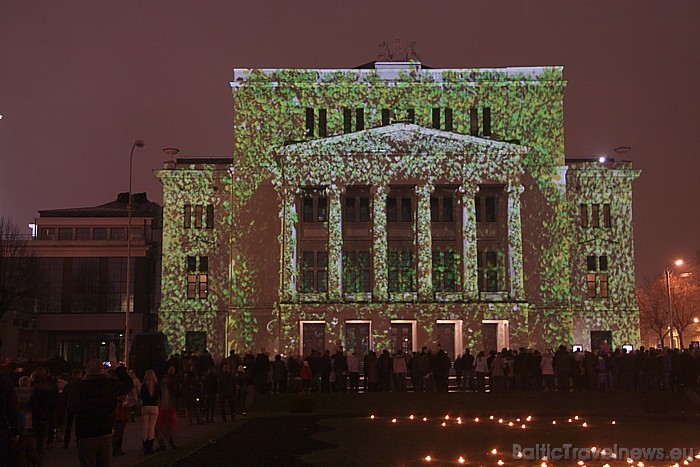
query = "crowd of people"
{"x": 91, "y": 407}
{"x": 47, "y": 404}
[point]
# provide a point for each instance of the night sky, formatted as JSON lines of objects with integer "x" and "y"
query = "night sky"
{"x": 81, "y": 80}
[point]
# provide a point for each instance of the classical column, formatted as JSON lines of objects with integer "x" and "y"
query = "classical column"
{"x": 470, "y": 275}
{"x": 288, "y": 258}
{"x": 515, "y": 241}
{"x": 425, "y": 243}
{"x": 379, "y": 244}
{"x": 335, "y": 244}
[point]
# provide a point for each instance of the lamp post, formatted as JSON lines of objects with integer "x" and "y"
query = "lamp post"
{"x": 137, "y": 144}
{"x": 678, "y": 262}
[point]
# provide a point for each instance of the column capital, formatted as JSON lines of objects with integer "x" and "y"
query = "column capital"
{"x": 335, "y": 189}
{"x": 425, "y": 190}
{"x": 515, "y": 189}
{"x": 379, "y": 189}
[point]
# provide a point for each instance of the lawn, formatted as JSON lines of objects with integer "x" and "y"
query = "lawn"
{"x": 377, "y": 429}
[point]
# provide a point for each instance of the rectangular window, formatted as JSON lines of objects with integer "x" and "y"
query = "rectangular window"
{"x": 490, "y": 209}
{"x": 448, "y": 119}
{"x": 591, "y": 285}
{"x": 411, "y": 115}
{"x": 65, "y": 233}
{"x": 597, "y": 276}
{"x": 47, "y": 233}
{"x": 197, "y": 277}
{"x": 487, "y": 121}
{"x": 322, "y": 214}
{"x": 198, "y": 215}
{"x": 364, "y": 209}
{"x": 210, "y": 217}
{"x": 392, "y": 209}
{"x": 322, "y": 123}
{"x": 595, "y": 218}
{"x": 445, "y": 271}
{"x": 473, "y": 121}
{"x": 436, "y": 118}
{"x": 386, "y": 117}
{"x": 85, "y": 284}
{"x": 584, "y": 215}
{"x": 359, "y": 119}
{"x": 607, "y": 222}
{"x": 401, "y": 271}
{"x": 187, "y": 216}
{"x": 347, "y": 120}
{"x": 99, "y": 233}
{"x": 82, "y": 233}
{"x": 314, "y": 271}
{"x": 488, "y": 268}
{"x": 441, "y": 209}
{"x": 350, "y": 212}
{"x": 591, "y": 263}
{"x": 314, "y": 207}
{"x": 308, "y": 208}
{"x": 356, "y": 271}
{"x": 117, "y": 233}
{"x": 406, "y": 210}
{"x": 310, "y": 122}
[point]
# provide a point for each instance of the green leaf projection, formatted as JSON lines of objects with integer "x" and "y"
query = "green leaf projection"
{"x": 403, "y": 134}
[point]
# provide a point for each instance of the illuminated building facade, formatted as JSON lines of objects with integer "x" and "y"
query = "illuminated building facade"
{"x": 393, "y": 206}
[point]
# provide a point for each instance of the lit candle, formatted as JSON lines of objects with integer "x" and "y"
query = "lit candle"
{"x": 529, "y": 418}
{"x": 393, "y": 420}
{"x": 411, "y": 416}
{"x": 372, "y": 417}
{"x": 476, "y": 419}
{"x": 461, "y": 460}
{"x": 428, "y": 458}
{"x": 493, "y": 451}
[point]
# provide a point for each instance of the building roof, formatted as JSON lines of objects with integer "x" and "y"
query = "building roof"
{"x": 141, "y": 207}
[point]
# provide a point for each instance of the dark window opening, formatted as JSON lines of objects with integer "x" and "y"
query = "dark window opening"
{"x": 607, "y": 222}
{"x": 584, "y": 215}
{"x": 322, "y": 123}
{"x": 436, "y": 119}
{"x": 487, "y": 121}
{"x": 473, "y": 121}
{"x": 448, "y": 119}
{"x": 386, "y": 117}
{"x": 310, "y": 122}
{"x": 595, "y": 215}
{"x": 347, "y": 120}
{"x": 210, "y": 217}
{"x": 187, "y": 219}
{"x": 359, "y": 119}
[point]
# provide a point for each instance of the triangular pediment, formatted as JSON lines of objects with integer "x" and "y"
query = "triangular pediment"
{"x": 402, "y": 139}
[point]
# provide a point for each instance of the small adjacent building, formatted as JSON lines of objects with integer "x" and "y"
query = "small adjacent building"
{"x": 82, "y": 253}
{"x": 396, "y": 206}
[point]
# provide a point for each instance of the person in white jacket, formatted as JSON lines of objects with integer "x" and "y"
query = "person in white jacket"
{"x": 353, "y": 371}
{"x": 400, "y": 369}
{"x": 481, "y": 367}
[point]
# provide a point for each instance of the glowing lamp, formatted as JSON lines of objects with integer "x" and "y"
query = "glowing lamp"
{"x": 606, "y": 465}
{"x": 461, "y": 460}
{"x": 476, "y": 419}
{"x": 613, "y": 422}
{"x": 581, "y": 462}
{"x": 529, "y": 418}
{"x": 371, "y": 417}
{"x": 576, "y": 417}
{"x": 570, "y": 420}
{"x": 585, "y": 425}
{"x": 393, "y": 420}
{"x": 427, "y": 458}
{"x": 543, "y": 464}
{"x": 425, "y": 419}
{"x": 500, "y": 462}
{"x": 554, "y": 422}
{"x": 630, "y": 461}
{"x": 678, "y": 262}
{"x": 491, "y": 417}
{"x": 494, "y": 451}
{"x": 510, "y": 423}
{"x": 601, "y": 159}
{"x": 500, "y": 420}
{"x": 411, "y": 417}
{"x": 447, "y": 417}
{"x": 641, "y": 464}
{"x": 444, "y": 424}
{"x": 523, "y": 426}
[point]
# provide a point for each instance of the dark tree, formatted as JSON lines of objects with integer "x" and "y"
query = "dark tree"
{"x": 19, "y": 269}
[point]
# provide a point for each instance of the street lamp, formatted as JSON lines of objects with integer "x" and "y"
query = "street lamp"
{"x": 137, "y": 144}
{"x": 678, "y": 262}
